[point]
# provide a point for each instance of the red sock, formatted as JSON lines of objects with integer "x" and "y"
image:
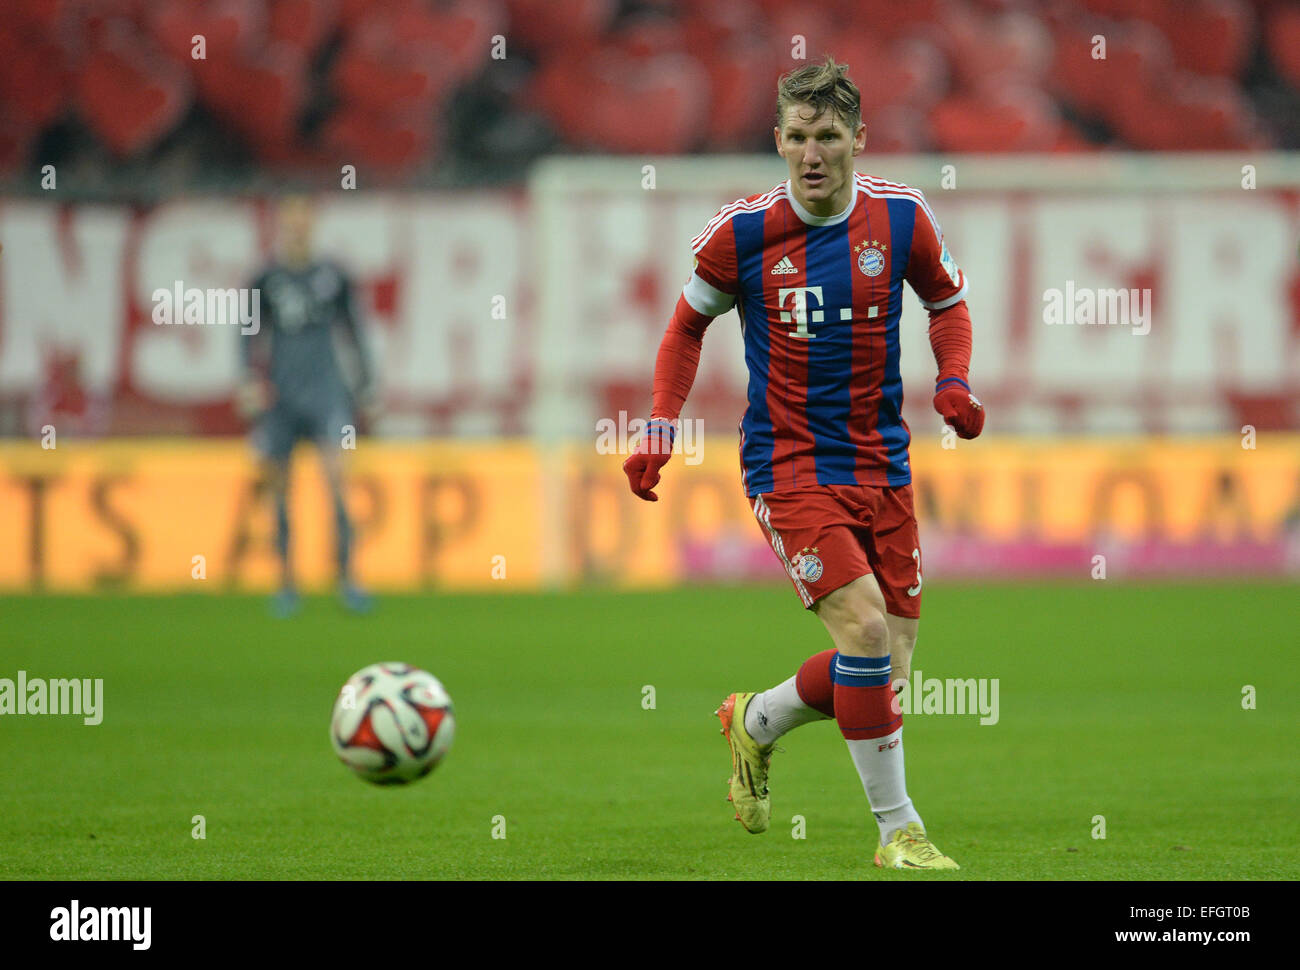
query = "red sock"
{"x": 864, "y": 702}
{"x": 813, "y": 682}
{"x": 865, "y": 712}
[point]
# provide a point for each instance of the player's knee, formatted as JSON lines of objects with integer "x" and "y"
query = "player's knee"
{"x": 875, "y": 633}
{"x": 865, "y": 633}
{"x": 275, "y": 479}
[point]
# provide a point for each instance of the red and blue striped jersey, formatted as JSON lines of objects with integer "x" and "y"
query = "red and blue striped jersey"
{"x": 819, "y": 300}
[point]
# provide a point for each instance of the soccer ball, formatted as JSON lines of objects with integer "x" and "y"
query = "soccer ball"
{"x": 392, "y": 723}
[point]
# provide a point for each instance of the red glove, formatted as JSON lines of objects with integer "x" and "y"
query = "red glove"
{"x": 652, "y": 453}
{"x": 959, "y": 407}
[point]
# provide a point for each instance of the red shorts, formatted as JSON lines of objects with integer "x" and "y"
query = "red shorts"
{"x": 828, "y": 535}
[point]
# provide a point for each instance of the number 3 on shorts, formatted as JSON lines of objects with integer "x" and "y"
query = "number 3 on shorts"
{"x": 913, "y": 590}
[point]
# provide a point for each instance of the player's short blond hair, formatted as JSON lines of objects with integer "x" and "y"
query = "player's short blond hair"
{"x": 822, "y": 86}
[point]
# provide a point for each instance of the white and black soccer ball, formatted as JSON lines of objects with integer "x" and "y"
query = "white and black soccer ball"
{"x": 392, "y": 723}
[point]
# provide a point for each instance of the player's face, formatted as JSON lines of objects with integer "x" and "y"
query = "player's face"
{"x": 295, "y": 230}
{"x": 820, "y": 152}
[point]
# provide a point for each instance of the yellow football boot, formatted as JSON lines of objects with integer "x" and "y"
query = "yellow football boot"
{"x": 749, "y": 763}
{"x": 911, "y": 848}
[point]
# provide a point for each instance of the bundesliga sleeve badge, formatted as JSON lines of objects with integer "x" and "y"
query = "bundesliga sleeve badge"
{"x": 950, "y": 266}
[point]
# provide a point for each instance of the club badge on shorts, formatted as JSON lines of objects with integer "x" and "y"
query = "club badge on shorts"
{"x": 808, "y": 565}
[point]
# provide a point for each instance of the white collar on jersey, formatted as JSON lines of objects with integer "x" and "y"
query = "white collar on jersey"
{"x": 813, "y": 220}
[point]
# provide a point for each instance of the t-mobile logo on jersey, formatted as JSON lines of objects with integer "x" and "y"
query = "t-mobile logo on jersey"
{"x": 801, "y": 315}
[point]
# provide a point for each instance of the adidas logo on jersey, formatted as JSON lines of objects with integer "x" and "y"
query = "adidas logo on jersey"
{"x": 785, "y": 266}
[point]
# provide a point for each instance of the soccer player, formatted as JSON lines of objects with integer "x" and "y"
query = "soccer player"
{"x": 815, "y": 268}
{"x": 294, "y": 384}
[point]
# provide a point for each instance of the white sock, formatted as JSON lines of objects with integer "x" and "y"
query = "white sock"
{"x": 774, "y": 712}
{"x": 880, "y": 766}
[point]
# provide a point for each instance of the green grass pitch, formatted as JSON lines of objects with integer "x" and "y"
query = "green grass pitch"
{"x": 1115, "y": 700}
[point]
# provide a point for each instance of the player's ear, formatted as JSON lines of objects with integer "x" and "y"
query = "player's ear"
{"x": 776, "y": 134}
{"x": 860, "y": 139}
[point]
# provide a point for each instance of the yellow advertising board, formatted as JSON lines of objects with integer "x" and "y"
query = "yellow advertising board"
{"x": 187, "y": 515}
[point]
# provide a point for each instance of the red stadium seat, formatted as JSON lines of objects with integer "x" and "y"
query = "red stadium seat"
{"x": 354, "y": 12}
{"x": 880, "y": 20}
{"x": 543, "y": 27}
{"x": 656, "y": 76}
{"x": 16, "y": 140}
{"x": 359, "y": 137}
{"x": 710, "y": 25}
{"x": 621, "y": 104}
{"x": 1283, "y": 39}
{"x": 376, "y": 82}
{"x": 414, "y": 54}
{"x": 815, "y": 29}
{"x": 1115, "y": 9}
{"x": 1006, "y": 119}
{"x": 1012, "y": 48}
{"x": 382, "y": 84}
{"x": 129, "y": 94}
{"x": 37, "y": 15}
{"x": 1137, "y": 59}
{"x": 895, "y": 128}
{"x": 1211, "y": 37}
{"x": 742, "y": 97}
{"x": 1216, "y": 115}
{"x": 35, "y": 79}
{"x": 457, "y": 35}
{"x": 229, "y": 28}
{"x": 912, "y": 71}
{"x": 648, "y": 37}
{"x": 1189, "y": 113}
{"x": 303, "y": 24}
{"x": 259, "y": 96}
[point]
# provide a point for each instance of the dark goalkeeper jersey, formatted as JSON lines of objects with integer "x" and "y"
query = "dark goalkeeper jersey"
{"x": 305, "y": 315}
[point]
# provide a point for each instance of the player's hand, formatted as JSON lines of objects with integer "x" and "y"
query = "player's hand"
{"x": 959, "y": 407}
{"x": 252, "y": 398}
{"x": 651, "y": 454}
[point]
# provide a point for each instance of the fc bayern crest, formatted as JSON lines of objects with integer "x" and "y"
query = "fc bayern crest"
{"x": 810, "y": 568}
{"x": 871, "y": 261}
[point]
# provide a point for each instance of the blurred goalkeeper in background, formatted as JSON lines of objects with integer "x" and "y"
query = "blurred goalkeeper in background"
{"x": 296, "y": 385}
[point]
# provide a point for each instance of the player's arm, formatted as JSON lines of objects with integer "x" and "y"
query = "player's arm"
{"x": 676, "y": 365}
{"x": 950, "y": 339}
{"x": 253, "y": 392}
{"x": 349, "y": 319}
{"x": 941, "y": 285}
